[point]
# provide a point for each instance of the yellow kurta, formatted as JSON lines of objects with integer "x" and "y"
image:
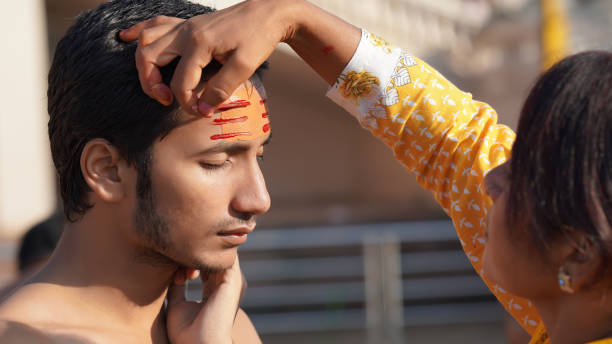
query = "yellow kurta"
{"x": 443, "y": 136}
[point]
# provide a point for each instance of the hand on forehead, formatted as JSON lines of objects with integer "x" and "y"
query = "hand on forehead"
{"x": 243, "y": 116}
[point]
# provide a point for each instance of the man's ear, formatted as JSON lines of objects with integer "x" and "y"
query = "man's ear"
{"x": 103, "y": 167}
{"x": 582, "y": 261}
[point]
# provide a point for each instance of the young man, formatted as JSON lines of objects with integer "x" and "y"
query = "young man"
{"x": 151, "y": 194}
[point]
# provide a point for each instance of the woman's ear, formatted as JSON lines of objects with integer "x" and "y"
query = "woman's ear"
{"x": 102, "y": 167}
{"x": 582, "y": 262}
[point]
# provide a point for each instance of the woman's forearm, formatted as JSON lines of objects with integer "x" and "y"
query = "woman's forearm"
{"x": 323, "y": 40}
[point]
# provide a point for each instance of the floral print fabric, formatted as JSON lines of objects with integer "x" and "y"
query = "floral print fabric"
{"x": 443, "y": 136}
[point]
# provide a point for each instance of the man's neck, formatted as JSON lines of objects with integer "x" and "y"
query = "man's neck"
{"x": 95, "y": 268}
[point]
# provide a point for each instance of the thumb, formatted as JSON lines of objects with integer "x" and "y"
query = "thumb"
{"x": 221, "y": 85}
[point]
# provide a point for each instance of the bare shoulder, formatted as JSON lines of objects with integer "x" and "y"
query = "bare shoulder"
{"x": 24, "y": 306}
{"x": 13, "y": 327}
{"x": 34, "y": 302}
{"x": 38, "y": 313}
{"x": 16, "y": 332}
{"x": 20, "y": 313}
{"x": 244, "y": 332}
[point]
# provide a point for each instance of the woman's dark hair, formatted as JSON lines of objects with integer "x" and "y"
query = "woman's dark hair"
{"x": 561, "y": 166}
{"x": 94, "y": 92}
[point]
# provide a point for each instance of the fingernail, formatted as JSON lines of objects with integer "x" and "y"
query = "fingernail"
{"x": 193, "y": 274}
{"x": 204, "y": 108}
{"x": 124, "y": 32}
{"x": 162, "y": 94}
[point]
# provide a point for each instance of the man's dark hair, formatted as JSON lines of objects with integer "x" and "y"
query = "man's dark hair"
{"x": 561, "y": 166}
{"x": 94, "y": 92}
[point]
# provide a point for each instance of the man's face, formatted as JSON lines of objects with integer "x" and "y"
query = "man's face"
{"x": 206, "y": 184}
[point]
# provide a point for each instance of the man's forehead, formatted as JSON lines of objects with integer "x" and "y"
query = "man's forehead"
{"x": 243, "y": 116}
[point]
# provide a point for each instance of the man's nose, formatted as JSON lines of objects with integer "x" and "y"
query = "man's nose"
{"x": 251, "y": 195}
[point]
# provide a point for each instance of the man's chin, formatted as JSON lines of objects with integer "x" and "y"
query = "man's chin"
{"x": 211, "y": 269}
{"x": 206, "y": 263}
{"x": 217, "y": 263}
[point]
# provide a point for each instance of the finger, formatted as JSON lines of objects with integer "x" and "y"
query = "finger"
{"x": 151, "y": 34}
{"x": 236, "y": 266}
{"x": 132, "y": 33}
{"x": 244, "y": 286}
{"x": 243, "y": 280}
{"x": 220, "y": 87}
{"x": 176, "y": 294}
{"x": 235, "y": 273}
{"x": 148, "y": 60}
{"x": 187, "y": 76}
{"x": 192, "y": 274}
{"x": 211, "y": 282}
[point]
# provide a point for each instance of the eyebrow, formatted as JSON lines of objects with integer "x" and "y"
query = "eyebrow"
{"x": 230, "y": 146}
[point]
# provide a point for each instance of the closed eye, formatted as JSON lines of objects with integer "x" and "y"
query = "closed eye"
{"x": 214, "y": 166}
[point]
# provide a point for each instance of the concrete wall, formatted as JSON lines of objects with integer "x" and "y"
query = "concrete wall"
{"x": 27, "y": 191}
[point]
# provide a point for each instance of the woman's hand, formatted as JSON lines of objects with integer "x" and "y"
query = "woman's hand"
{"x": 240, "y": 37}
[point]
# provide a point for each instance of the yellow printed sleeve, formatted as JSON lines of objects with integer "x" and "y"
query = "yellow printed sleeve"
{"x": 443, "y": 136}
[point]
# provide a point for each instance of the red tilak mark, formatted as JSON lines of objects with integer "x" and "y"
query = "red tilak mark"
{"x": 221, "y": 121}
{"x": 233, "y": 105}
{"x": 264, "y": 115}
{"x": 328, "y": 49}
{"x": 229, "y": 135}
{"x": 263, "y": 101}
{"x": 266, "y": 127}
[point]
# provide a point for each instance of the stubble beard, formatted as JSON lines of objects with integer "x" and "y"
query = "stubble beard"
{"x": 153, "y": 229}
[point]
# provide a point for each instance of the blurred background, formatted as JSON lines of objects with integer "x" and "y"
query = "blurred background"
{"x": 353, "y": 250}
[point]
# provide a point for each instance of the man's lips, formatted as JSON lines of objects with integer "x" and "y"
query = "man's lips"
{"x": 235, "y": 237}
{"x": 237, "y": 231}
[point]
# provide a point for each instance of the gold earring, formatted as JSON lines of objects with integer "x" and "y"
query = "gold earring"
{"x": 565, "y": 281}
